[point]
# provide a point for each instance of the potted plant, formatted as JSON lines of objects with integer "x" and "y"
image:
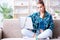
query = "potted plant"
{"x": 6, "y": 11}
{"x": 57, "y": 12}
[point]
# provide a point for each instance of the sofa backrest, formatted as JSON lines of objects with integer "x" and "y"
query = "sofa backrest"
{"x": 12, "y": 28}
{"x": 56, "y": 31}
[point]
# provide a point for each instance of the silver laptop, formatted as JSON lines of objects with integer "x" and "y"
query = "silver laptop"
{"x": 26, "y": 22}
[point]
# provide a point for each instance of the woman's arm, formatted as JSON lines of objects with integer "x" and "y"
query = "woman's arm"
{"x": 51, "y": 23}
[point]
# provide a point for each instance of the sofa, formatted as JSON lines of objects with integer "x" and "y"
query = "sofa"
{"x": 12, "y": 29}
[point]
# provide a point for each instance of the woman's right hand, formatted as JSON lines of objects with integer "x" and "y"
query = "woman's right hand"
{"x": 34, "y": 35}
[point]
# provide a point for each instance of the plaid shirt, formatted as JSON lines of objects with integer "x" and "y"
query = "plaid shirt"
{"x": 42, "y": 23}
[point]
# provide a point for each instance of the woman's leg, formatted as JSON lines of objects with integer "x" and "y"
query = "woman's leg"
{"x": 47, "y": 33}
{"x": 27, "y": 33}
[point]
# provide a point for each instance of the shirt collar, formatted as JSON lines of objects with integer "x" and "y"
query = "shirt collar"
{"x": 46, "y": 14}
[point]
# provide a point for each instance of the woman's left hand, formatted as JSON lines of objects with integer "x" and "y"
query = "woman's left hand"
{"x": 41, "y": 30}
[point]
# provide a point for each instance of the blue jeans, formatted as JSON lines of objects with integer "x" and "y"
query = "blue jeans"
{"x": 45, "y": 34}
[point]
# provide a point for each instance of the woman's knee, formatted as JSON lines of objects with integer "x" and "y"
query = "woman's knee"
{"x": 49, "y": 32}
{"x": 45, "y": 34}
{"x": 26, "y": 32}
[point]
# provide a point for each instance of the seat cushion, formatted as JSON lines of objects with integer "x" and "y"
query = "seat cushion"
{"x": 12, "y": 39}
{"x": 18, "y": 39}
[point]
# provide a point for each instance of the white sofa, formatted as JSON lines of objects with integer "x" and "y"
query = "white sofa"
{"x": 12, "y": 29}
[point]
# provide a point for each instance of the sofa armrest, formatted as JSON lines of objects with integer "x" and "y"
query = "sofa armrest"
{"x": 0, "y": 33}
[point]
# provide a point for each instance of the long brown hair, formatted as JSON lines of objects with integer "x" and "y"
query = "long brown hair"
{"x": 41, "y": 2}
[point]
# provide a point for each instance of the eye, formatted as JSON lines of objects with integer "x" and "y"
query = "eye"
{"x": 41, "y": 6}
{"x": 38, "y": 7}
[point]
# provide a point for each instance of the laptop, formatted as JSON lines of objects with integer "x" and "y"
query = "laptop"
{"x": 26, "y": 22}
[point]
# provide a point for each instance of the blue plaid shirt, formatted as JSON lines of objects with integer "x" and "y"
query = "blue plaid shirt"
{"x": 42, "y": 23}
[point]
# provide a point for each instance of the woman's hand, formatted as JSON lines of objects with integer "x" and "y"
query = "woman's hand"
{"x": 34, "y": 35}
{"x": 41, "y": 30}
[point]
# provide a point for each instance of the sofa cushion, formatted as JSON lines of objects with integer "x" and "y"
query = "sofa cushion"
{"x": 18, "y": 39}
{"x": 0, "y": 33}
{"x": 12, "y": 39}
{"x": 11, "y": 28}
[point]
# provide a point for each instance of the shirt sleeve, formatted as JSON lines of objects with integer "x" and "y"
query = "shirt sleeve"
{"x": 32, "y": 17}
{"x": 51, "y": 23}
{"x": 33, "y": 21}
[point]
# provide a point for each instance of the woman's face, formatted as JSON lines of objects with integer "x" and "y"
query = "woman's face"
{"x": 41, "y": 8}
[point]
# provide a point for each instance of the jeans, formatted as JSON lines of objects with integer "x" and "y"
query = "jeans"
{"x": 47, "y": 33}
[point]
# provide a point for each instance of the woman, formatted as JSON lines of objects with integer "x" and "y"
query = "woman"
{"x": 42, "y": 23}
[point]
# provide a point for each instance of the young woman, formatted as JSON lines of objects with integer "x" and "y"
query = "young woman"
{"x": 42, "y": 23}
